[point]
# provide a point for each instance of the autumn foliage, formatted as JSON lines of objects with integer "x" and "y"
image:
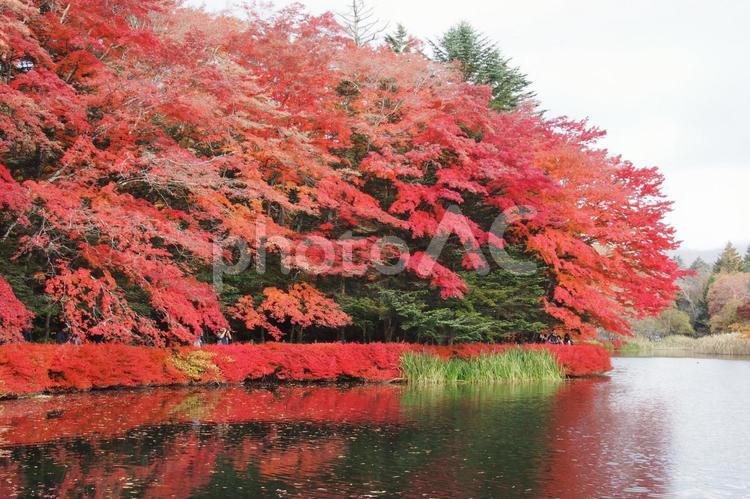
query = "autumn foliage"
{"x": 728, "y": 301}
{"x": 14, "y": 317}
{"x": 147, "y": 135}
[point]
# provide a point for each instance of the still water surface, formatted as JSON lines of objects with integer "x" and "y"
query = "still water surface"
{"x": 654, "y": 427}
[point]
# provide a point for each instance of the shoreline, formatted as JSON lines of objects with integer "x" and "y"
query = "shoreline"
{"x": 33, "y": 369}
{"x": 723, "y": 345}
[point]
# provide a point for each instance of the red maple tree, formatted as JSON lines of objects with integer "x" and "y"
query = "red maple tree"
{"x": 145, "y": 134}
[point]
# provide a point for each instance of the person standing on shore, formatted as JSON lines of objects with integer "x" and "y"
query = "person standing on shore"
{"x": 224, "y": 336}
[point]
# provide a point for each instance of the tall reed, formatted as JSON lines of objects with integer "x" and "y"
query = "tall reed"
{"x": 719, "y": 344}
{"x": 514, "y": 365}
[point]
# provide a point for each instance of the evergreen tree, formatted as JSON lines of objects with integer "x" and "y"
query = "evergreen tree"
{"x": 399, "y": 41}
{"x": 746, "y": 261}
{"x": 729, "y": 261}
{"x": 500, "y": 306}
{"x": 699, "y": 266}
{"x": 482, "y": 64}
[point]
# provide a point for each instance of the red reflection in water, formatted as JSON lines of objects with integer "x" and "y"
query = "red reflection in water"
{"x": 173, "y": 443}
{"x": 185, "y": 463}
{"x": 33, "y": 421}
{"x": 184, "y": 466}
{"x": 600, "y": 446}
{"x": 187, "y": 467}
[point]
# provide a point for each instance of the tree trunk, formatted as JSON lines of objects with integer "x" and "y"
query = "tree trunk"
{"x": 47, "y": 322}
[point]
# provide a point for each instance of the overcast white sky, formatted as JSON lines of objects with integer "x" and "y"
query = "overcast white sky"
{"x": 669, "y": 80}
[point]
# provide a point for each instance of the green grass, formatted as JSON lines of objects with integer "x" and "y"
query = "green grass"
{"x": 515, "y": 365}
{"x": 630, "y": 349}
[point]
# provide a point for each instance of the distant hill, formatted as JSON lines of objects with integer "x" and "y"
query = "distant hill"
{"x": 710, "y": 255}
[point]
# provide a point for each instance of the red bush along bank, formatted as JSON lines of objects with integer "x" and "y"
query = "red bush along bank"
{"x": 30, "y": 368}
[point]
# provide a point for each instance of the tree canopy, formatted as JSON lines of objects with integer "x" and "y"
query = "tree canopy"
{"x": 141, "y": 136}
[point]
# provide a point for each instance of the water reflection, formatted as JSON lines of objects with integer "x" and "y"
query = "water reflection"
{"x": 583, "y": 438}
{"x": 312, "y": 441}
{"x": 605, "y": 442}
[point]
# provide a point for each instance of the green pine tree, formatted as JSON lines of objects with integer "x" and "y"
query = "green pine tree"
{"x": 482, "y": 64}
{"x": 399, "y": 41}
{"x": 729, "y": 261}
{"x": 699, "y": 266}
{"x": 746, "y": 261}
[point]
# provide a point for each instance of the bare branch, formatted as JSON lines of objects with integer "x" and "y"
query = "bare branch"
{"x": 361, "y": 23}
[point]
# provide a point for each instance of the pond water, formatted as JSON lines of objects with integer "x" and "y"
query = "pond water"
{"x": 654, "y": 427}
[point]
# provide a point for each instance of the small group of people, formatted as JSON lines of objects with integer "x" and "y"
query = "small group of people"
{"x": 554, "y": 339}
{"x": 223, "y": 337}
{"x": 63, "y": 337}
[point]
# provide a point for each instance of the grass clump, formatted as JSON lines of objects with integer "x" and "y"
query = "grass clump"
{"x": 515, "y": 365}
